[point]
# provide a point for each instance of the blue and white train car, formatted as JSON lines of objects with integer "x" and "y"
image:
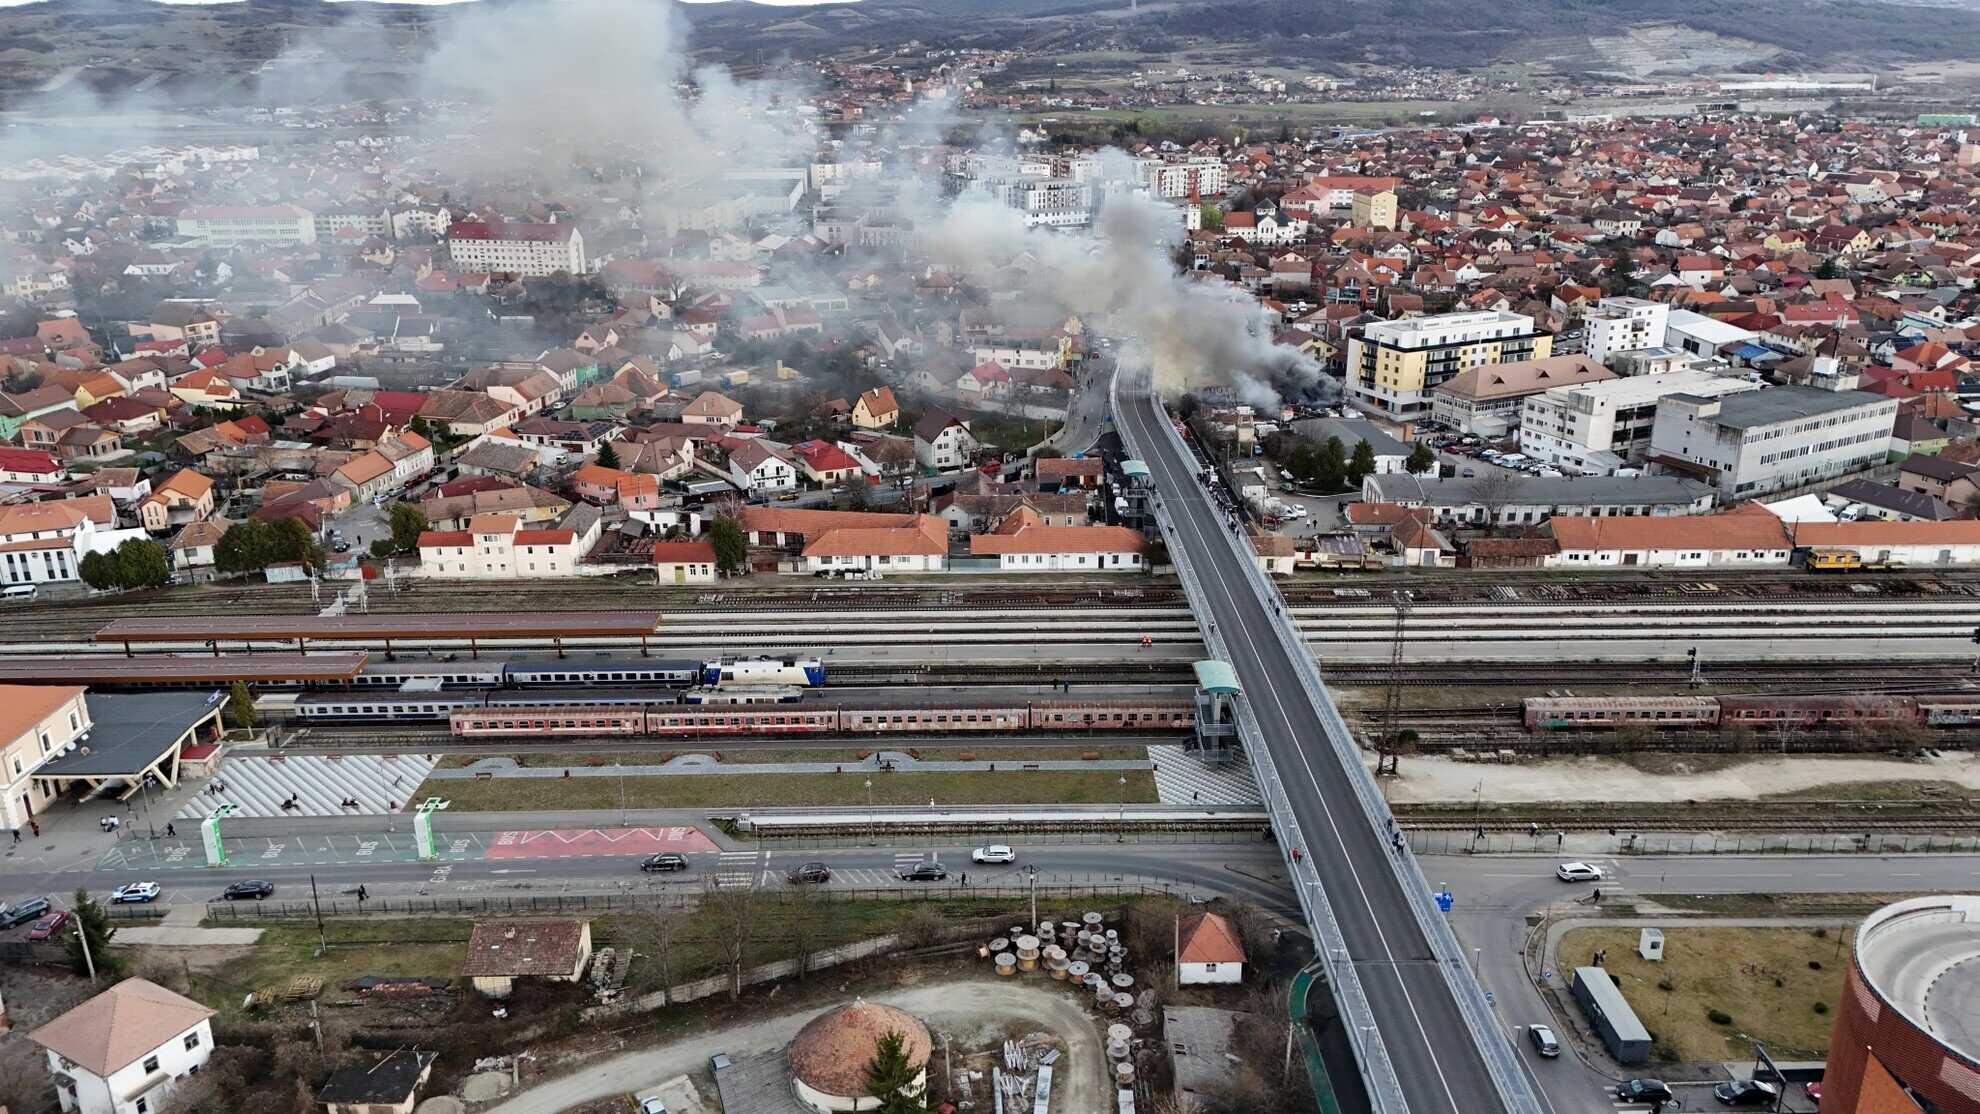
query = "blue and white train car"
{"x": 764, "y": 671}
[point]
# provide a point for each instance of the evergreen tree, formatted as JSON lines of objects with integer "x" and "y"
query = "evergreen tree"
{"x": 891, "y": 1078}
{"x": 1828, "y": 269}
{"x": 240, "y": 706}
{"x": 1362, "y": 463}
{"x": 142, "y": 564}
{"x": 731, "y": 545}
{"x": 99, "y": 571}
{"x": 1421, "y": 458}
{"x": 1330, "y": 474}
{"x": 408, "y": 523}
{"x": 93, "y": 925}
{"x": 608, "y": 457}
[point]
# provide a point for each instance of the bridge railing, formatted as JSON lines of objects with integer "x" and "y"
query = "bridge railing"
{"x": 1500, "y": 1059}
{"x": 1378, "y": 1072}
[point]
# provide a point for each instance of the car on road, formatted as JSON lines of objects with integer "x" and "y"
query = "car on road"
{"x": 808, "y": 872}
{"x": 664, "y": 861}
{"x": 1578, "y": 872}
{"x": 253, "y": 888}
{"x": 1746, "y": 1092}
{"x": 48, "y": 926}
{"x": 1644, "y": 1090}
{"x": 23, "y": 911}
{"x": 135, "y": 892}
{"x": 1543, "y": 1040}
{"x": 995, "y": 853}
{"x": 925, "y": 872}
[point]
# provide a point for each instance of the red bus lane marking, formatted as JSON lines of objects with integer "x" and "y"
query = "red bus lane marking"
{"x": 574, "y": 843}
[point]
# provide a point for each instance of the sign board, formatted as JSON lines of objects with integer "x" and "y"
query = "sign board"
{"x": 209, "y": 834}
{"x": 423, "y": 825}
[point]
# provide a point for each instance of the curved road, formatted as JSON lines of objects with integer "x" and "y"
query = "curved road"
{"x": 968, "y": 1005}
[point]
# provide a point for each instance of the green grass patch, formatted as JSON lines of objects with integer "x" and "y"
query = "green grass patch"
{"x": 429, "y": 947}
{"x": 1098, "y": 787}
{"x": 1904, "y": 790}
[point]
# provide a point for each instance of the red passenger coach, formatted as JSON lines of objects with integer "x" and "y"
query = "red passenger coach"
{"x": 1817, "y": 711}
{"x": 740, "y": 719}
{"x": 1115, "y": 715}
{"x": 1552, "y": 712}
{"x": 932, "y": 720}
{"x": 505, "y": 722}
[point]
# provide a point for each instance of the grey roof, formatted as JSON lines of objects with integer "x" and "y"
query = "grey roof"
{"x": 1456, "y": 491}
{"x": 1913, "y": 504}
{"x": 129, "y": 733}
{"x": 1202, "y": 1040}
{"x": 1785, "y": 404}
{"x": 389, "y": 1079}
{"x": 1351, "y": 431}
{"x": 1936, "y": 467}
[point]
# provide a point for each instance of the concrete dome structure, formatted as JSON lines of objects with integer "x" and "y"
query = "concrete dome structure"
{"x": 828, "y": 1057}
{"x": 1910, "y": 1013}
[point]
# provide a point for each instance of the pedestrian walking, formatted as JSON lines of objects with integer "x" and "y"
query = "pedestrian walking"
{"x": 17, "y": 834}
{"x": 965, "y": 879}
{"x": 170, "y": 830}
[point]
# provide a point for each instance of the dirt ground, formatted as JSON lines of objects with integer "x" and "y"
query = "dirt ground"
{"x": 954, "y": 1005}
{"x": 34, "y": 997}
{"x": 1566, "y": 780}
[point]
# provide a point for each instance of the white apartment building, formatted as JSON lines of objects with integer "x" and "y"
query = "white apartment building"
{"x": 1701, "y": 335}
{"x": 1045, "y": 202}
{"x": 42, "y": 720}
{"x": 1208, "y": 177}
{"x": 1777, "y": 440}
{"x": 371, "y": 222}
{"x": 1595, "y": 427}
{"x": 497, "y": 547}
{"x": 248, "y": 224}
{"x": 421, "y": 221}
{"x": 516, "y": 247}
{"x": 1623, "y": 325}
{"x": 43, "y": 543}
{"x": 122, "y": 1051}
{"x": 1394, "y": 366}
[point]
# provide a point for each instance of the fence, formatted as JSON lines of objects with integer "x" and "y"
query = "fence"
{"x": 1253, "y": 832}
{"x": 660, "y": 899}
{"x": 1693, "y": 843}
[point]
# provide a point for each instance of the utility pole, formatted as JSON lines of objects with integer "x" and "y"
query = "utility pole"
{"x": 322, "y": 943}
{"x": 89, "y": 961}
{"x": 1387, "y": 762}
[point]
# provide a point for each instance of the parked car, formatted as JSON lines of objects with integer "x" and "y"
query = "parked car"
{"x": 995, "y": 853}
{"x": 809, "y": 872}
{"x": 135, "y": 892}
{"x": 253, "y": 888}
{"x": 1645, "y": 1090}
{"x": 1746, "y": 1092}
{"x": 1578, "y": 872}
{"x": 48, "y": 926}
{"x": 664, "y": 861}
{"x": 1543, "y": 1040}
{"x": 652, "y": 1106}
{"x": 23, "y": 911}
{"x": 925, "y": 872}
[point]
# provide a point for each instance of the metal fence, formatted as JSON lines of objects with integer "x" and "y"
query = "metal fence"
{"x": 1455, "y": 842}
{"x": 681, "y": 897}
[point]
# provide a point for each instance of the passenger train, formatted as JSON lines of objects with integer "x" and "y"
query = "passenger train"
{"x": 808, "y": 672}
{"x": 1556, "y": 713}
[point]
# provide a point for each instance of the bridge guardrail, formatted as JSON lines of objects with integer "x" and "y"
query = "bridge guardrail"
{"x": 1469, "y": 993}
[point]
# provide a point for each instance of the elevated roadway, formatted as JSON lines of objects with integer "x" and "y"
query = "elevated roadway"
{"x": 1413, "y": 1010}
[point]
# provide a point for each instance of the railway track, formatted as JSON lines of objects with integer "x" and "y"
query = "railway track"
{"x": 1702, "y": 820}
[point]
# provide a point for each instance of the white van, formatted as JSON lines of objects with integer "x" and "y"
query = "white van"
{"x": 19, "y": 592}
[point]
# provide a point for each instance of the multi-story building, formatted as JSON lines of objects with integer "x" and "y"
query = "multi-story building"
{"x": 41, "y": 721}
{"x": 1393, "y": 366}
{"x": 1623, "y": 325}
{"x": 497, "y": 547}
{"x": 1335, "y": 193}
{"x": 124, "y": 1050}
{"x": 1373, "y": 208}
{"x": 943, "y": 441}
{"x": 1778, "y": 440}
{"x": 1486, "y": 400}
{"x": 516, "y": 247}
{"x": 1204, "y": 177}
{"x": 1596, "y": 427}
{"x": 1701, "y": 335}
{"x": 371, "y": 222}
{"x": 248, "y": 224}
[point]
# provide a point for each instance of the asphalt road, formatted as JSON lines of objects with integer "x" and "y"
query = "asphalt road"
{"x": 1495, "y": 895}
{"x": 1421, "y": 1026}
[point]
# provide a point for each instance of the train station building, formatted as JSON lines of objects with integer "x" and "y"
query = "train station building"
{"x": 61, "y": 741}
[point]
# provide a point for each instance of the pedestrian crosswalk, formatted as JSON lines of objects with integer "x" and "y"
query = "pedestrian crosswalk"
{"x": 739, "y": 870}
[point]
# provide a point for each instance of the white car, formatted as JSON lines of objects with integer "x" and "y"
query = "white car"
{"x": 653, "y": 1106}
{"x": 1578, "y": 872}
{"x": 135, "y": 891}
{"x": 995, "y": 853}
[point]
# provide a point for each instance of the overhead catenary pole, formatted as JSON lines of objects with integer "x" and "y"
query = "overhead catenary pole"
{"x": 322, "y": 943}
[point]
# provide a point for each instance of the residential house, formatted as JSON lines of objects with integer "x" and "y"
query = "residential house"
{"x": 124, "y": 1050}
{"x": 498, "y": 547}
{"x": 825, "y": 463}
{"x": 206, "y": 388}
{"x": 793, "y": 528}
{"x": 758, "y": 467}
{"x": 501, "y": 951}
{"x": 943, "y": 442}
{"x": 1022, "y": 544}
{"x": 1058, "y": 473}
{"x": 466, "y": 413}
{"x": 1208, "y": 951}
{"x": 28, "y": 469}
{"x": 192, "y": 547}
{"x": 876, "y": 409}
{"x": 712, "y": 408}
{"x": 186, "y": 496}
{"x": 377, "y": 1083}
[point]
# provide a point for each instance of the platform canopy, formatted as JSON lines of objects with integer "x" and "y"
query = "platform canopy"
{"x": 132, "y": 736}
{"x": 1216, "y": 676}
{"x": 173, "y": 670}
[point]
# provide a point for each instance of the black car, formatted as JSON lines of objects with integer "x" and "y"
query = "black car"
{"x": 925, "y": 872}
{"x": 254, "y": 888}
{"x": 23, "y": 911}
{"x": 1645, "y": 1090}
{"x": 665, "y": 860}
{"x": 809, "y": 872}
{"x": 1746, "y": 1092}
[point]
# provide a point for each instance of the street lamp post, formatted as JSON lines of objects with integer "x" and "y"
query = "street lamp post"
{"x": 1031, "y": 873}
{"x": 144, "y": 784}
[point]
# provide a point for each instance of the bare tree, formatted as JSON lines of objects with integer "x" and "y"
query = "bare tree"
{"x": 731, "y": 917}
{"x": 1493, "y": 490}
